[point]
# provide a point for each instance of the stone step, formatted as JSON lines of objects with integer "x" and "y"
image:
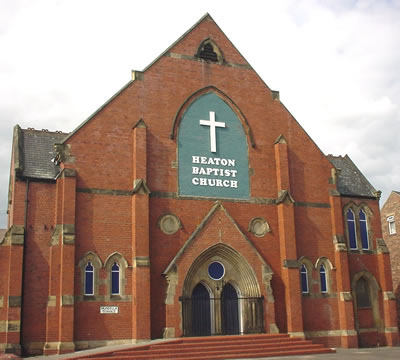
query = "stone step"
{"x": 214, "y": 347}
{"x": 260, "y": 341}
{"x": 224, "y": 355}
{"x": 217, "y": 347}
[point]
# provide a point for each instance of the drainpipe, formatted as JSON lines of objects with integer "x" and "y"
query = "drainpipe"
{"x": 23, "y": 263}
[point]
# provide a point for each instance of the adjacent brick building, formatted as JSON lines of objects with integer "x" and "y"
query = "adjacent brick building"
{"x": 191, "y": 203}
{"x": 390, "y": 215}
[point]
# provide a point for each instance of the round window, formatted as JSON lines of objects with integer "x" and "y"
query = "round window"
{"x": 216, "y": 270}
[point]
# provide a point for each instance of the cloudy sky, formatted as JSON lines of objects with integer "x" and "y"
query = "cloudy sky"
{"x": 336, "y": 64}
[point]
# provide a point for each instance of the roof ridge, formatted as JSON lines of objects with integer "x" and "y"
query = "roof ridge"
{"x": 363, "y": 178}
{"x": 44, "y": 131}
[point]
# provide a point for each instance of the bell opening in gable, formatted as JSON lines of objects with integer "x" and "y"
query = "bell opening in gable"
{"x": 209, "y": 51}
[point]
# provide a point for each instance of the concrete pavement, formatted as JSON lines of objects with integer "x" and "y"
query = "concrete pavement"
{"x": 383, "y": 353}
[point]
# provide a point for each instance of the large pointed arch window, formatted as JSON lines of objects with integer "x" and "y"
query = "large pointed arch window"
{"x": 351, "y": 227}
{"x": 212, "y": 149}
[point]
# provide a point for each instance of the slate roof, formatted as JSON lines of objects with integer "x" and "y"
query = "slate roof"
{"x": 350, "y": 181}
{"x": 37, "y": 152}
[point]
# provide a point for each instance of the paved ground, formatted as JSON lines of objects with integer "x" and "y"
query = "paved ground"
{"x": 383, "y": 353}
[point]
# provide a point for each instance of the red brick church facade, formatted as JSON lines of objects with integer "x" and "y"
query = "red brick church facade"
{"x": 191, "y": 203}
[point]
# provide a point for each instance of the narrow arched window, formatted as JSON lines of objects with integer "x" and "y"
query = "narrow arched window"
{"x": 89, "y": 278}
{"x": 351, "y": 226}
{"x": 363, "y": 230}
{"x": 323, "y": 279}
{"x": 115, "y": 279}
{"x": 304, "y": 279}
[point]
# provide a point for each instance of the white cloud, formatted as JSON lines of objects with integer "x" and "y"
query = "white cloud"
{"x": 334, "y": 62}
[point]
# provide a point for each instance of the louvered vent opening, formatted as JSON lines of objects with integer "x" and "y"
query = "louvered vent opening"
{"x": 208, "y": 53}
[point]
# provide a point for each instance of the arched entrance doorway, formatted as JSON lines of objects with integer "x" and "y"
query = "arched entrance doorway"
{"x": 230, "y": 310}
{"x": 366, "y": 305}
{"x": 221, "y": 295}
{"x": 201, "y": 311}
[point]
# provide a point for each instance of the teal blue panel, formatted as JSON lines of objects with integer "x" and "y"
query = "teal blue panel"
{"x": 223, "y": 173}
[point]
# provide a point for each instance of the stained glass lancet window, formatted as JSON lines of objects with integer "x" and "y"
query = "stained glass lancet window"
{"x": 363, "y": 230}
{"x": 89, "y": 279}
{"x": 304, "y": 279}
{"x": 351, "y": 226}
{"x": 323, "y": 279}
{"x": 115, "y": 279}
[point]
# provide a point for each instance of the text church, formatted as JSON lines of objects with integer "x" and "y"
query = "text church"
{"x": 191, "y": 203}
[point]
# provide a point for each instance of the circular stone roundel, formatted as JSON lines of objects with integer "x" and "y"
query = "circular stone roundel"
{"x": 216, "y": 270}
{"x": 169, "y": 224}
{"x": 259, "y": 227}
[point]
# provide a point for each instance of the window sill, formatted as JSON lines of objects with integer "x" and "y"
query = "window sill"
{"x": 362, "y": 251}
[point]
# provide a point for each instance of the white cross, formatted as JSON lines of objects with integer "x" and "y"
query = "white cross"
{"x": 212, "y": 124}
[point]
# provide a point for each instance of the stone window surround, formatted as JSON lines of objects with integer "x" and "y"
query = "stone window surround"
{"x": 391, "y": 224}
{"x": 310, "y": 268}
{"x": 368, "y": 214}
{"x": 123, "y": 264}
{"x": 328, "y": 274}
{"x": 98, "y": 266}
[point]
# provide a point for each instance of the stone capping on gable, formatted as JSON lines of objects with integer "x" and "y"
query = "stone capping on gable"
{"x": 206, "y": 17}
{"x": 139, "y": 75}
{"x": 136, "y": 76}
{"x": 81, "y": 125}
{"x": 2, "y": 235}
{"x": 284, "y": 196}
{"x": 140, "y": 187}
{"x": 14, "y": 235}
{"x": 140, "y": 124}
{"x": 17, "y": 150}
{"x": 280, "y": 140}
{"x": 217, "y": 206}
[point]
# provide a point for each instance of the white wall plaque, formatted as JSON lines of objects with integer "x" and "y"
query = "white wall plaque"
{"x": 109, "y": 310}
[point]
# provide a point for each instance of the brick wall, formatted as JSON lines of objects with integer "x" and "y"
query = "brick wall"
{"x": 392, "y": 208}
{"x": 107, "y": 161}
